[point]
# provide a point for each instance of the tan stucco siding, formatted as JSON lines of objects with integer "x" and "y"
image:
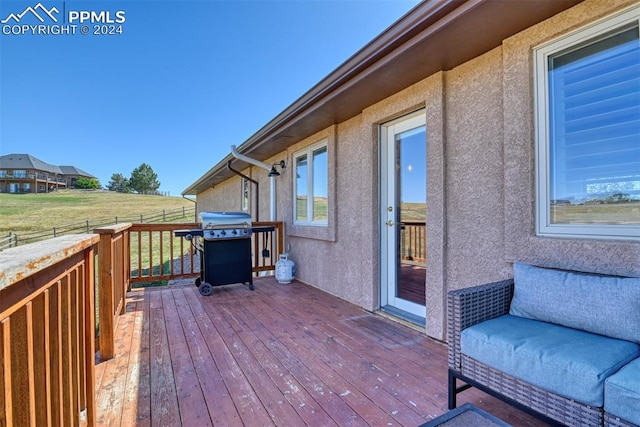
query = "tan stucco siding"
{"x": 614, "y": 257}
{"x": 481, "y": 183}
{"x": 474, "y": 172}
{"x": 222, "y": 197}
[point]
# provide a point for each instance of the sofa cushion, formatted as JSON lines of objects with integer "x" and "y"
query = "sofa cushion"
{"x": 604, "y": 305}
{"x": 622, "y": 393}
{"x": 565, "y": 361}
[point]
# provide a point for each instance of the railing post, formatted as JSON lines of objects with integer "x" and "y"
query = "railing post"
{"x": 113, "y": 268}
{"x": 106, "y": 308}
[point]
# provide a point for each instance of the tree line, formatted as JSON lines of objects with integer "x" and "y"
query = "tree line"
{"x": 143, "y": 180}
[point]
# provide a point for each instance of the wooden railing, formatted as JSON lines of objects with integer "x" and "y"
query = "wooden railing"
{"x": 150, "y": 253}
{"x": 113, "y": 283}
{"x": 48, "y": 299}
{"x": 271, "y": 241}
{"x": 47, "y": 333}
{"x": 413, "y": 241}
{"x": 156, "y": 254}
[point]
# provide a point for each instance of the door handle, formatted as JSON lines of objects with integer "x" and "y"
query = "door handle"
{"x": 389, "y": 223}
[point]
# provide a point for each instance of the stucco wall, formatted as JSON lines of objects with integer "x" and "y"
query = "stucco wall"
{"x": 474, "y": 183}
{"x": 222, "y": 197}
{"x": 227, "y": 196}
{"x": 613, "y": 257}
{"x": 481, "y": 183}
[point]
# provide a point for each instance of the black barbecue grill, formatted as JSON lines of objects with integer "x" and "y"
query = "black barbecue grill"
{"x": 224, "y": 245}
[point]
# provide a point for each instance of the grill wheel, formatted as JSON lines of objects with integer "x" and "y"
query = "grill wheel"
{"x": 206, "y": 289}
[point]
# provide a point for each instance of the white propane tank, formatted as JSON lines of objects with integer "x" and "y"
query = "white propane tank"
{"x": 285, "y": 269}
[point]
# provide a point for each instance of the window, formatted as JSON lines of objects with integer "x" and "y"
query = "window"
{"x": 19, "y": 173}
{"x": 310, "y": 186}
{"x": 245, "y": 194}
{"x": 3, "y": 173}
{"x": 588, "y": 131}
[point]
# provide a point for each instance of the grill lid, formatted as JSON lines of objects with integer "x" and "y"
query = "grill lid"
{"x": 210, "y": 220}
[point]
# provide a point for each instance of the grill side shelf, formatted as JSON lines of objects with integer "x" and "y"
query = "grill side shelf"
{"x": 198, "y": 232}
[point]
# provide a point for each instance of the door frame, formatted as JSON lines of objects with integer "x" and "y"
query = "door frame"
{"x": 388, "y": 240}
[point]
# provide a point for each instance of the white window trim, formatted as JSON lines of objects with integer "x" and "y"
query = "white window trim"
{"x": 540, "y": 56}
{"x": 308, "y": 151}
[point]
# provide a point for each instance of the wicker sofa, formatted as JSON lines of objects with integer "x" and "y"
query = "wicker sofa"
{"x": 563, "y": 346}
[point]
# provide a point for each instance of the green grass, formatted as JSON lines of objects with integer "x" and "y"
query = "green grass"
{"x": 35, "y": 212}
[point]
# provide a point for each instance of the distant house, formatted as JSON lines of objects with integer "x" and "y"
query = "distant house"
{"x": 23, "y": 173}
{"x": 72, "y": 173}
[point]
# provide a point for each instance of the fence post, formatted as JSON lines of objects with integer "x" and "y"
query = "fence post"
{"x": 54, "y": 232}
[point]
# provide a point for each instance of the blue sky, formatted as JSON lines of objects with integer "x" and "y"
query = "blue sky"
{"x": 183, "y": 82}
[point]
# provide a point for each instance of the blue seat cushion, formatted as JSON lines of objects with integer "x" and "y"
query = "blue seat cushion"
{"x": 569, "y": 362}
{"x": 604, "y": 305}
{"x": 622, "y": 393}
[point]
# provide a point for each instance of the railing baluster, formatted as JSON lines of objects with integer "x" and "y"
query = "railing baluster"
{"x": 47, "y": 371}
{"x": 6, "y": 397}
{"x": 42, "y": 359}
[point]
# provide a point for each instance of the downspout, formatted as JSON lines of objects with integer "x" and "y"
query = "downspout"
{"x": 250, "y": 180}
{"x": 272, "y": 179}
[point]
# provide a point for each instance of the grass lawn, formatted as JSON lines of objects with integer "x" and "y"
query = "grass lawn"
{"x": 21, "y": 213}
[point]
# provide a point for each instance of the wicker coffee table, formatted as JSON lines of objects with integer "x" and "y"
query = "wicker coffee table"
{"x": 466, "y": 415}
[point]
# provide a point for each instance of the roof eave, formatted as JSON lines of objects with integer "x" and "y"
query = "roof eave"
{"x": 433, "y": 28}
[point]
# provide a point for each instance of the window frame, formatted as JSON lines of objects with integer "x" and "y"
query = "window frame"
{"x": 245, "y": 194}
{"x": 309, "y": 151}
{"x": 541, "y": 55}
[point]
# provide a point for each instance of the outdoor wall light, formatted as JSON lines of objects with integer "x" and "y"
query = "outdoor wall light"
{"x": 273, "y": 171}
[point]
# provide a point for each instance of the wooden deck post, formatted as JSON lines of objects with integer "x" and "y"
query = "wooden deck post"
{"x": 113, "y": 283}
{"x": 105, "y": 290}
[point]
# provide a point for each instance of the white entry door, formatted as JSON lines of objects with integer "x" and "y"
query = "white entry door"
{"x": 403, "y": 212}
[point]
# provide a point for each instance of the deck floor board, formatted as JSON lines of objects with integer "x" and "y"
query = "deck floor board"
{"x": 284, "y": 355}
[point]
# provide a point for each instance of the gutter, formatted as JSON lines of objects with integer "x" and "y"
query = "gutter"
{"x": 253, "y": 181}
{"x": 272, "y": 179}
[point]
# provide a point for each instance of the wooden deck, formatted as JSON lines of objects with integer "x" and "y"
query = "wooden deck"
{"x": 286, "y": 355}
